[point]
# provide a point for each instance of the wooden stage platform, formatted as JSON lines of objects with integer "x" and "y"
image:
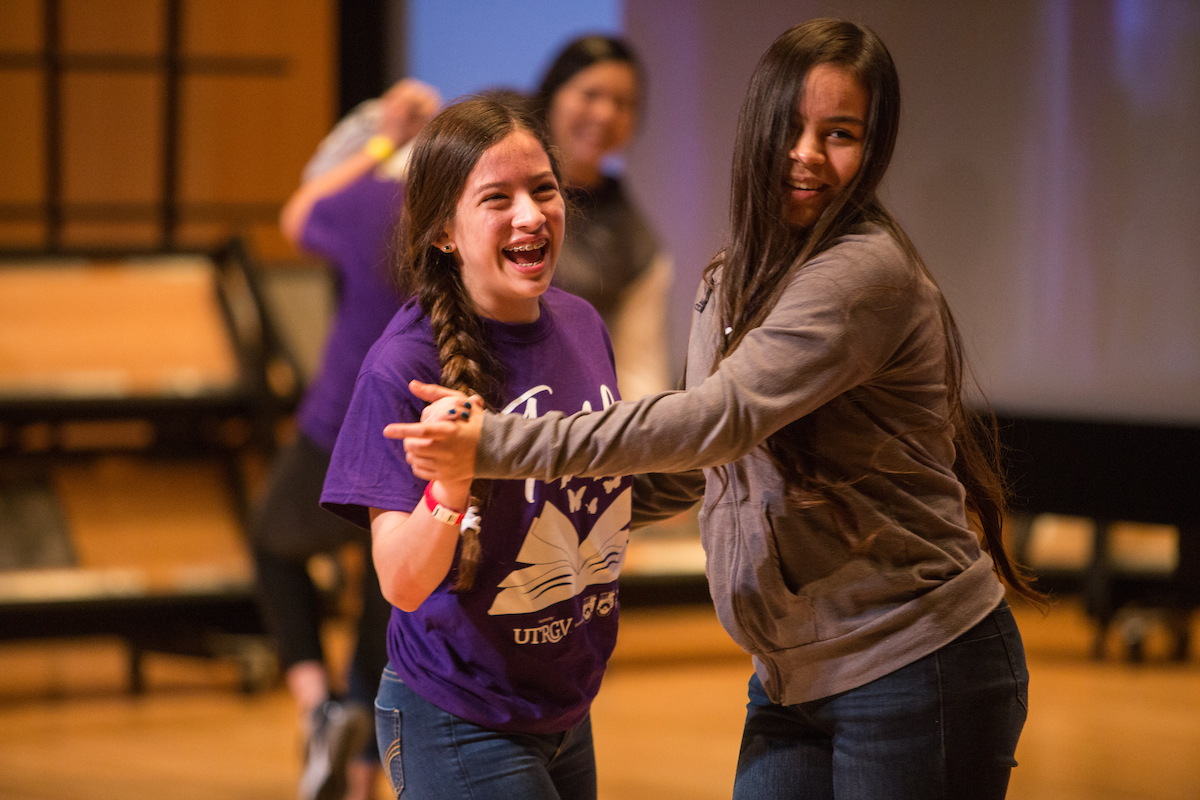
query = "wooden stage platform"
{"x": 667, "y": 721}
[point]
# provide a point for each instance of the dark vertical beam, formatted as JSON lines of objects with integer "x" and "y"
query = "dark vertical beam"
{"x": 52, "y": 76}
{"x": 172, "y": 75}
{"x": 362, "y": 51}
{"x": 396, "y": 42}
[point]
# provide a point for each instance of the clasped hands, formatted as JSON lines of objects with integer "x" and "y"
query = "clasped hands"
{"x": 442, "y": 445}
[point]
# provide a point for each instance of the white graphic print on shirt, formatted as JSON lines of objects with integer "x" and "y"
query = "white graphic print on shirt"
{"x": 529, "y": 399}
{"x": 560, "y": 566}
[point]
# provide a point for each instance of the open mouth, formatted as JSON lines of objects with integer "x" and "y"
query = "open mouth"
{"x": 806, "y": 185}
{"x": 527, "y": 255}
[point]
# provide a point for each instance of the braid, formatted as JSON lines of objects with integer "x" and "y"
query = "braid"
{"x": 468, "y": 361}
{"x": 469, "y": 365}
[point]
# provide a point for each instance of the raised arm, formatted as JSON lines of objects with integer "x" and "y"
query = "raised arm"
{"x": 405, "y": 109}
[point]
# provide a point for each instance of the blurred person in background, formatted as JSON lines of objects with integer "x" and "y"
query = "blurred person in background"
{"x": 590, "y": 100}
{"x": 346, "y": 211}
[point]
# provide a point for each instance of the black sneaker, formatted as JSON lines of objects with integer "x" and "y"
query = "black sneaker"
{"x": 338, "y": 733}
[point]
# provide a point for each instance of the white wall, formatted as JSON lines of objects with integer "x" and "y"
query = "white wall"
{"x": 1048, "y": 169}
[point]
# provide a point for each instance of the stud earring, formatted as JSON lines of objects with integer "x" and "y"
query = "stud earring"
{"x": 447, "y": 248}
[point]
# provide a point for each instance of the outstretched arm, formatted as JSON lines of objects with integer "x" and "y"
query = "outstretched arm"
{"x": 840, "y": 322}
{"x": 442, "y": 446}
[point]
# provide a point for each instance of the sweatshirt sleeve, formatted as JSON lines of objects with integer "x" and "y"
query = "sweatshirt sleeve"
{"x": 836, "y": 324}
{"x": 658, "y": 496}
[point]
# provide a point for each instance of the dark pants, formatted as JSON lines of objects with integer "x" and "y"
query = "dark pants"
{"x": 942, "y": 728}
{"x": 289, "y": 527}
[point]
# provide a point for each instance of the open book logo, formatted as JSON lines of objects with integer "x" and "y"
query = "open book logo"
{"x": 560, "y": 565}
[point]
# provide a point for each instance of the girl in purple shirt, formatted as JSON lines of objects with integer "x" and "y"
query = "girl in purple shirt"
{"x": 504, "y": 593}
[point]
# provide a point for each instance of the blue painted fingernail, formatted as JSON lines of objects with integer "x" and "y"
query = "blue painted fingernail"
{"x": 466, "y": 415}
{"x": 452, "y": 412}
{"x": 467, "y": 404}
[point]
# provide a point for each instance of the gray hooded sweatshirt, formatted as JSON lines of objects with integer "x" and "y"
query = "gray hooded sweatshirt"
{"x": 853, "y": 352}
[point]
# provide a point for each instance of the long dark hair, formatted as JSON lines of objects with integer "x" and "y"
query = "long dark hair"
{"x": 443, "y": 156}
{"x": 763, "y": 248}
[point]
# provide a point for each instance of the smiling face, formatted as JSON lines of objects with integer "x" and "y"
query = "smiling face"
{"x": 592, "y": 115}
{"x": 831, "y": 117}
{"x": 507, "y": 229}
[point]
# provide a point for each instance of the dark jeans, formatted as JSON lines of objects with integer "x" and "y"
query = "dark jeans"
{"x": 288, "y": 528}
{"x": 429, "y": 754}
{"x": 942, "y": 728}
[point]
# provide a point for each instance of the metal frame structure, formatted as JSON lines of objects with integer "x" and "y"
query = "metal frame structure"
{"x": 1112, "y": 472}
{"x": 222, "y": 620}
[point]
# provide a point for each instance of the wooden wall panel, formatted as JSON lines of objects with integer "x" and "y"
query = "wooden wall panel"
{"x": 243, "y": 138}
{"x": 112, "y": 154}
{"x": 20, "y": 24}
{"x": 21, "y": 166}
{"x": 113, "y": 26}
{"x": 112, "y": 137}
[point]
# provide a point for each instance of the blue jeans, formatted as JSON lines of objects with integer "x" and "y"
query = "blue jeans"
{"x": 942, "y": 728}
{"x": 429, "y": 754}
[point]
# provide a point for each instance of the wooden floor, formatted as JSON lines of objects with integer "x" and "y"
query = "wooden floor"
{"x": 667, "y": 721}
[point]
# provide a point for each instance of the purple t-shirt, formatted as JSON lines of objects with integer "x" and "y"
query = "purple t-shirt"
{"x": 353, "y": 229}
{"x": 524, "y": 649}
